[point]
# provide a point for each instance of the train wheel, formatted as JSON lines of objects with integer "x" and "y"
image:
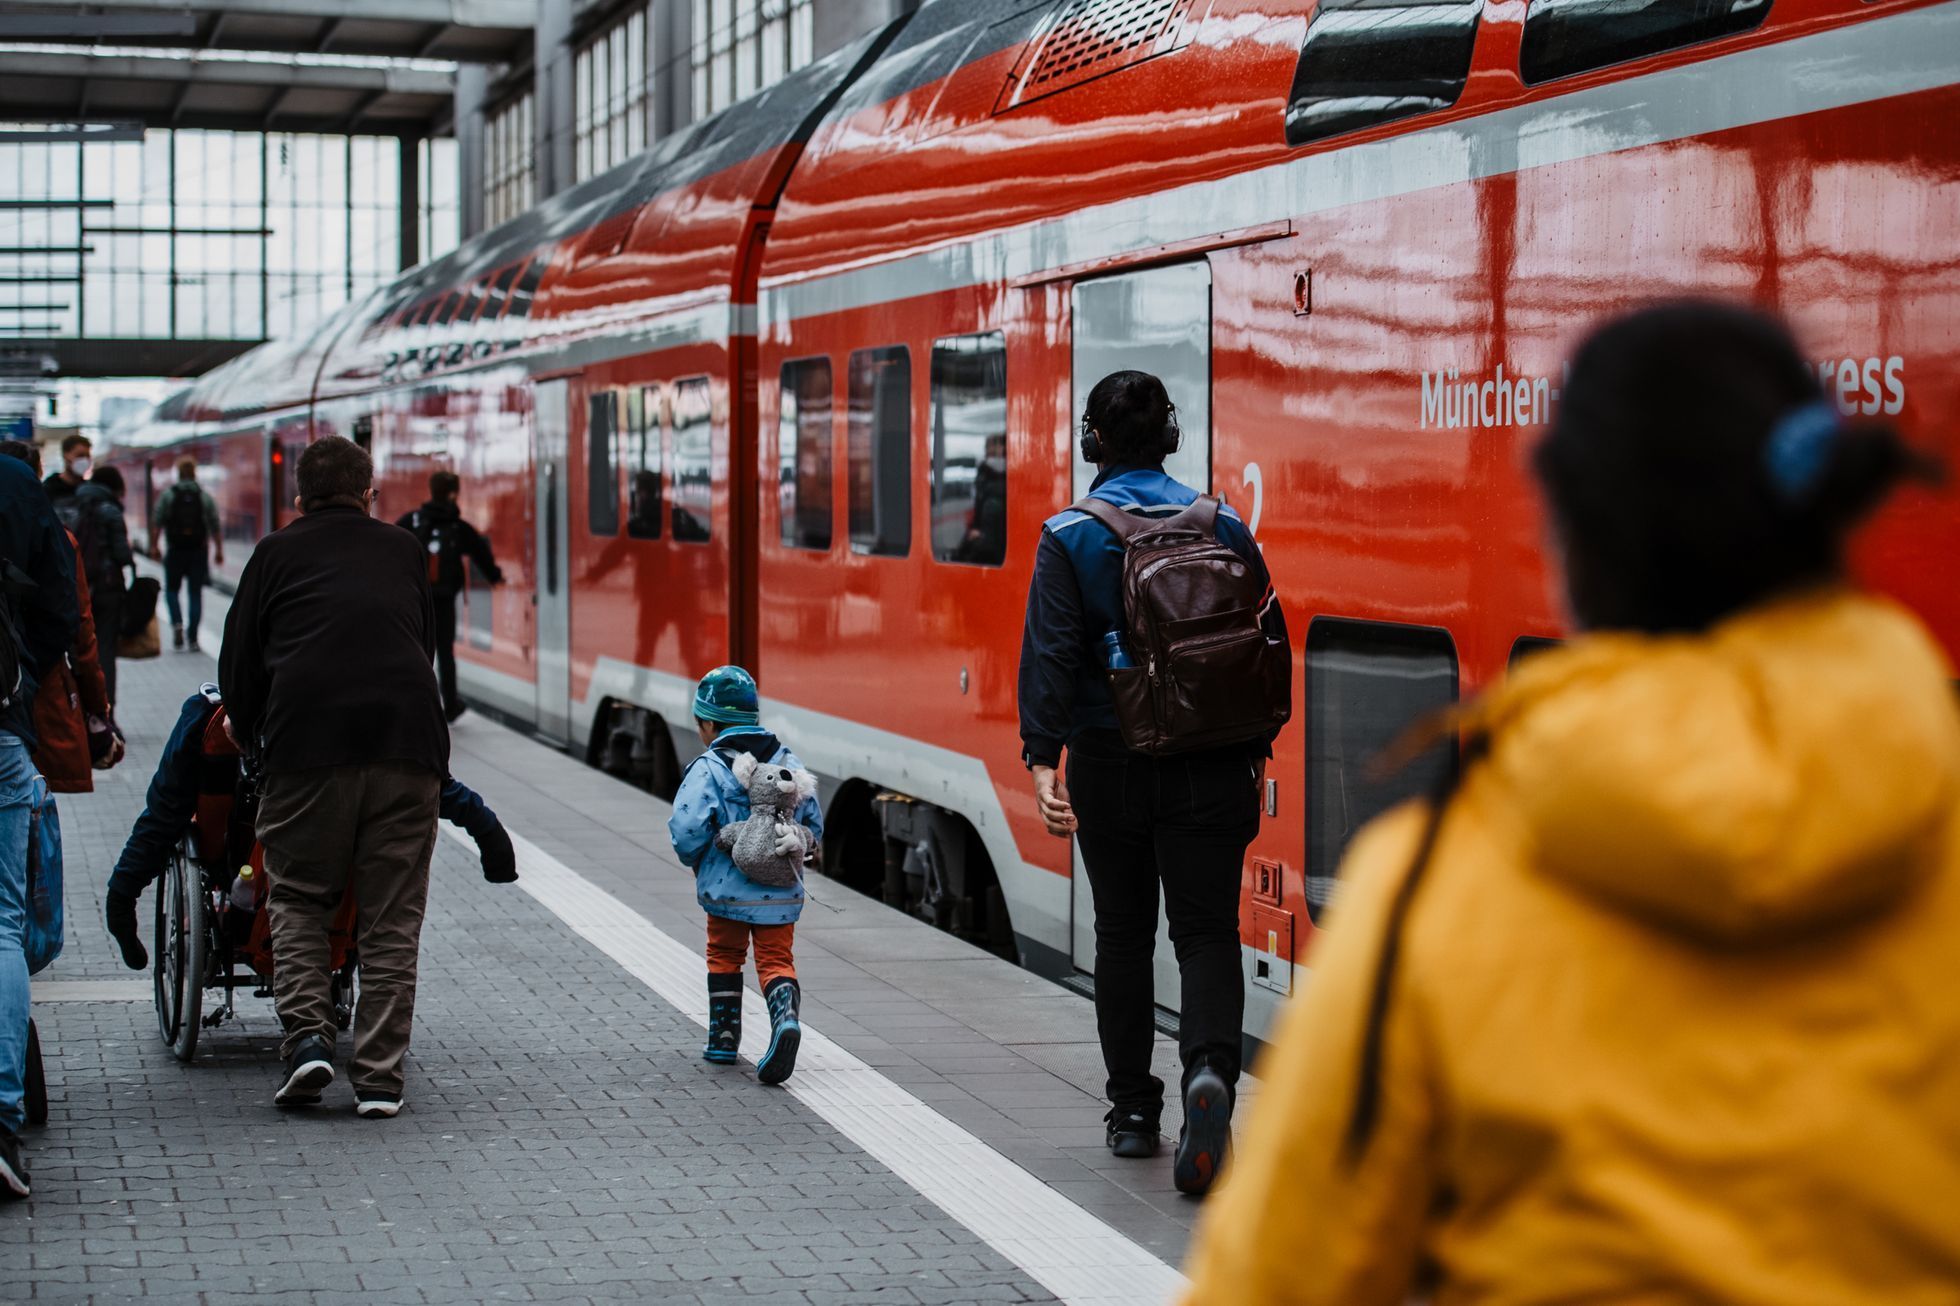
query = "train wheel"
{"x": 183, "y": 945}
{"x": 36, "y": 1079}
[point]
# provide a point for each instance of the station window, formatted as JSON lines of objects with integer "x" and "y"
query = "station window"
{"x": 609, "y": 80}
{"x": 803, "y": 454}
{"x": 1367, "y": 683}
{"x": 878, "y": 451}
{"x": 602, "y": 472}
{"x": 969, "y": 449}
{"x": 1365, "y": 62}
{"x": 693, "y": 420}
{"x": 643, "y": 493}
{"x": 1563, "y": 37}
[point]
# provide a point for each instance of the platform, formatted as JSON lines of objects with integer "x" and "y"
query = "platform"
{"x": 940, "y": 1142}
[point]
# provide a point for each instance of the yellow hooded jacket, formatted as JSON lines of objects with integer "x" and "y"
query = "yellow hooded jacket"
{"x": 1677, "y": 1012}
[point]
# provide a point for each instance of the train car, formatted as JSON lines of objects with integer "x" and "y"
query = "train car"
{"x": 1357, "y": 240}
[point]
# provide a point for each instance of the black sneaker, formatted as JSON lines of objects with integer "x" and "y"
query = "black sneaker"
{"x": 177, "y": 637}
{"x": 1131, "y": 1135}
{"x": 372, "y": 1104}
{"x": 1207, "y": 1132}
{"x": 308, "y": 1070}
{"x": 454, "y": 711}
{"x": 13, "y": 1170}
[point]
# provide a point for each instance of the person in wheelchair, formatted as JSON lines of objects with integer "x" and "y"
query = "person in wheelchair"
{"x": 192, "y": 764}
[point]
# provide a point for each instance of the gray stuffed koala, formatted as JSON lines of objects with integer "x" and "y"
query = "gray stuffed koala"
{"x": 770, "y": 845}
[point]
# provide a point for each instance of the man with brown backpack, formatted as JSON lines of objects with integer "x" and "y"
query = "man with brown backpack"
{"x": 1155, "y": 652}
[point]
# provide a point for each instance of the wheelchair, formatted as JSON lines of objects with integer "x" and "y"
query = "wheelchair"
{"x": 206, "y": 942}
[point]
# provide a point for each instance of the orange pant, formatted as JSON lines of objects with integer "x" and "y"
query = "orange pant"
{"x": 728, "y": 946}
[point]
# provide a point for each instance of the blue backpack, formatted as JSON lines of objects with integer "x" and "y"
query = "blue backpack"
{"x": 43, "y": 934}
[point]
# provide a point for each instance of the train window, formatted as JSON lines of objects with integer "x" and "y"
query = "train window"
{"x": 473, "y": 302}
{"x": 601, "y": 471}
{"x": 803, "y": 454}
{"x": 878, "y": 451}
{"x": 969, "y": 449}
{"x": 1526, "y": 645}
{"x": 643, "y": 491}
{"x": 493, "y": 307}
{"x": 1367, "y": 683}
{"x": 526, "y": 287}
{"x": 1563, "y": 37}
{"x": 693, "y": 422}
{"x": 1373, "y": 61}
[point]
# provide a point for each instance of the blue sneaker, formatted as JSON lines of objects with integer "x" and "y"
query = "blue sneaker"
{"x": 724, "y": 1020}
{"x": 785, "y": 1032}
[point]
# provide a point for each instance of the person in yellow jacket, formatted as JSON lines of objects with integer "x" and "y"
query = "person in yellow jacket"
{"x": 1665, "y": 1008}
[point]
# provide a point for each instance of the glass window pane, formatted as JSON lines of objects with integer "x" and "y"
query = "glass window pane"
{"x": 1367, "y": 683}
{"x": 643, "y": 502}
{"x": 803, "y": 452}
{"x": 693, "y": 423}
{"x": 969, "y": 449}
{"x": 602, "y": 476}
{"x": 879, "y": 451}
{"x": 1563, "y": 37}
{"x": 1365, "y": 63}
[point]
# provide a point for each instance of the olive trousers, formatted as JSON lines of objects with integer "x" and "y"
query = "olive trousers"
{"x": 371, "y": 827}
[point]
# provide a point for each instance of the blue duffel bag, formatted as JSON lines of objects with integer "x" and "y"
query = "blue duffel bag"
{"x": 43, "y": 934}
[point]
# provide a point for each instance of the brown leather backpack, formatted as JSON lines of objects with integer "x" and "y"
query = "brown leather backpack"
{"x": 1205, "y": 674}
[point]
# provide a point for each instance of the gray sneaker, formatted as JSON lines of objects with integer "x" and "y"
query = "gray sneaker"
{"x": 13, "y": 1170}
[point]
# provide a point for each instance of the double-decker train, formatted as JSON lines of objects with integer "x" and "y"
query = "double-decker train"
{"x": 797, "y": 387}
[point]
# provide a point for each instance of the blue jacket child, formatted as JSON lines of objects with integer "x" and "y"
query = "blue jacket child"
{"x": 740, "y": 911}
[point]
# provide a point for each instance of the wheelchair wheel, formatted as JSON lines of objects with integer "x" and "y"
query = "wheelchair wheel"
{"x": 37, "y": 1079}
{"x": 183, "y": 944}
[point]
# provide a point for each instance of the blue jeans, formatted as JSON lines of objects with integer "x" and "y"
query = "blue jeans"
{"x": 16, "y": 798}
{"x": 193, "y": 571}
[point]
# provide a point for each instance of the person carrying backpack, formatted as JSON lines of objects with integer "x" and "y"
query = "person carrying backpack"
{"x": 446, "y": 540}
{"x": 94, "y": 516}
{"x": 1167, "y": 735}
{"x": 185, "y": 535}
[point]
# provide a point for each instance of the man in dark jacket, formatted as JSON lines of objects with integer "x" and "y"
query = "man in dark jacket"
{"x": 326, "y": 669}
{"x": 77, "y": 456}
{"x": 446, "y": 540}
{"x": 107, "y": 560}
{"x": 37, "y": 602}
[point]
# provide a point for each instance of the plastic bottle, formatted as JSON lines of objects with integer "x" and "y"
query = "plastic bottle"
{"x": 1116, "y": 654}
{"x": 244, "y": 891}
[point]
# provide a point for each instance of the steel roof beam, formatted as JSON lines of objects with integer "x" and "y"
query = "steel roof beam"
{"x": 228, "y": 72}
{"x": 507, "y": 14}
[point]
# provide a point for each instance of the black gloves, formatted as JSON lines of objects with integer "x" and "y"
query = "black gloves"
{"x": 121, "y": 913}
{"x": 499, "y": 858}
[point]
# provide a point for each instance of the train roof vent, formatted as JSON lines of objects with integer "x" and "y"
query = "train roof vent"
{"x": 1086, "y": 39}
{"x": 606, "y": 239}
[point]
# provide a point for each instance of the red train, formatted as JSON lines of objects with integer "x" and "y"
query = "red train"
{"x": 796, "y": 388}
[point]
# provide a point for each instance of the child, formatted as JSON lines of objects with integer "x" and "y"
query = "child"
{"x": 738, "y": 908}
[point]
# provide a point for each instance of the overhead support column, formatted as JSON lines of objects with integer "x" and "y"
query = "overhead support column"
{"x": 409, "y": 188}
{"x": 554, "y": 105}
{"x": 472, "y": 88}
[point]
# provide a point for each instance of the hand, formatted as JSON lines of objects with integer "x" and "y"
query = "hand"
{"x": 789, "y": 840}
{"x": 1259, "y": 780}
{"x": 156, "y": 551}
{"x": 1051, "y": 798}
{"x": 221, "y": 557}
{"x": 232, "y": 735}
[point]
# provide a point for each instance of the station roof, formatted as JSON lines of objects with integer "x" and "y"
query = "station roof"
{"x": 463, "y": 31}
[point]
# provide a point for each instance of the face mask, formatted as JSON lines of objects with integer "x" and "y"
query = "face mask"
{"x": 79, "y": 466}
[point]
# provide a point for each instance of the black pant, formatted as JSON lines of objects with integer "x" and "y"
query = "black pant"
{"x": 1183, "y": 821}
{"x": 106, "y": 605}
{"x": 445, "y": 605}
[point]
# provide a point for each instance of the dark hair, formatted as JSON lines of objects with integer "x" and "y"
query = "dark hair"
{"x": 109, "y": 479}
{"x": 443, "y": 484}
{"x": 333, "y": 470}
{"x": 21, "y": 449}
{"x": 1660, "y": 478}
{"x": 1133, "y": 414}
{"x": 74, "y": 442}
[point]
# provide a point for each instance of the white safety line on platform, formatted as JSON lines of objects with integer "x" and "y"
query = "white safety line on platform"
{"x": 91, "y": 990}
{"x": 1079, "y": 1258}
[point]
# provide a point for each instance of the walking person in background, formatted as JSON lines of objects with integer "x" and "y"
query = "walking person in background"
{"x": 185, "y": 534}
{"x": 38, "y": 620}
{"x": 77, "y": 457}
{"x": 103, "y": 542}
{"x": 326, "y": 671}
{"x": 446, "y": 540}
{"x": 1656, "y": 1000}
{"x": 715, "y": 795}
{"x": 1182, "y": 819}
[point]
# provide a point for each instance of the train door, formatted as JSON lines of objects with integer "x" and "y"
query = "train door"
{"x": 553, "y": 592}
{"x": 1159, "y": 321}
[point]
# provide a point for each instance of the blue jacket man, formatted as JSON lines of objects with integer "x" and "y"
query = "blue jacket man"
{"x": 37, "y": 597}
{"x": 172, "y": 802}
{"x": 1180, "y": 821}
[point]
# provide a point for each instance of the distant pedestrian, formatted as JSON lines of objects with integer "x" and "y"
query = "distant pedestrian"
{"x": 326, "y": 669}
{"x": 77, "y": 457}
{"x": 714, "y": 796}
{"x": 446, "y": 541}
{"x": 1181, "y": 820}
{"x": 94, "y": 516}
{"x": 1655, "y": 1002}
{"x": 186, "y": 535}
{"x": 37, "y": 598}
